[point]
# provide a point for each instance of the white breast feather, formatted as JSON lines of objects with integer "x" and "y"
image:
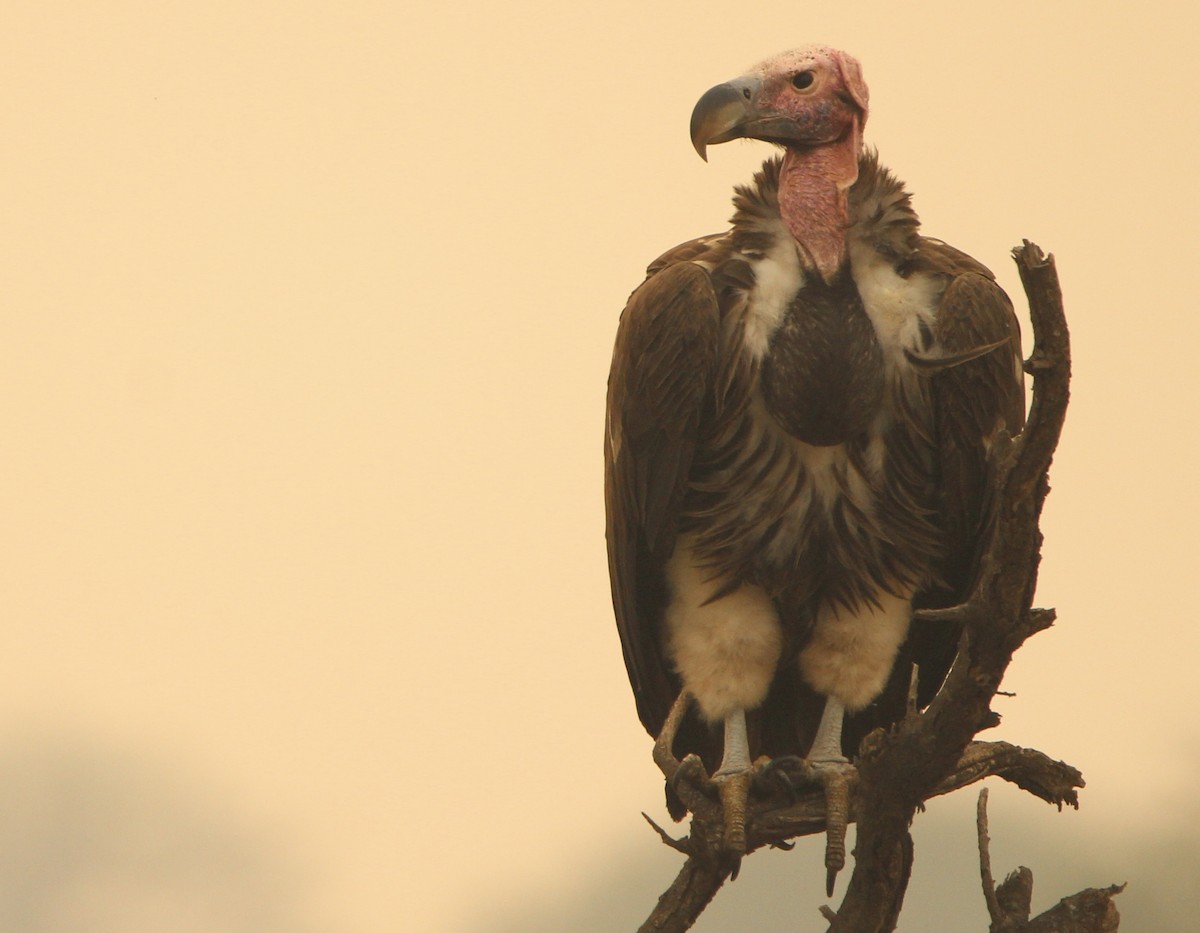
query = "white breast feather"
{"x": 777, "y": 278}
{"x": 895, "y": 305}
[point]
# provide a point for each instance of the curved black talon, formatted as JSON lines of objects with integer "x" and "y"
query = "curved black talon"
{"x": 790, "y": 790}
{"x": 786, "y": 774}
{"x": 791, "y": 762}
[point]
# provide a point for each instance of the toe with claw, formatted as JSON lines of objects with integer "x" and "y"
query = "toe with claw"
{"x": 734, "y": 787}
{"x": 791, "y": 776}
{"x": 837, "y": 778}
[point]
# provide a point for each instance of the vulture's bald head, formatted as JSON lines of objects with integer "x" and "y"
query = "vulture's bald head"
{"x": 809, "y": 96}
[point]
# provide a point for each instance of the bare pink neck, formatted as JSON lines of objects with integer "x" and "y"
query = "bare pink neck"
{"x": 813, "y": 199}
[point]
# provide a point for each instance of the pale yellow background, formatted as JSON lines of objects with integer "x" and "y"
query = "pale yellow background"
{"x": 307, "y": 312}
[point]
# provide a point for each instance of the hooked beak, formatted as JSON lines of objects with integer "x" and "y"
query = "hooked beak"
{"x": 733, "y": 111}
{"x": 723, "y": 113}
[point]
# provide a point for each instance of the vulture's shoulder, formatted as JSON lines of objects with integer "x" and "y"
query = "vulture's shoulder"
{"x": 969, "y": 307}
{"x": 935, "y": 256}
{"x": 702, "y": 248}
{"x": 972, "y": 308}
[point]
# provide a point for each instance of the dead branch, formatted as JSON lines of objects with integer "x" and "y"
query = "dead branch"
{"x": 931, "y": 752}
{"x": 985, "y": 859}
{"x": 1089, "y": 911}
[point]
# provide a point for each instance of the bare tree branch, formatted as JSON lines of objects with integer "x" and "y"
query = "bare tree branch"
{"x": 694, "y": 887}
{"x": 1089, "y": 911}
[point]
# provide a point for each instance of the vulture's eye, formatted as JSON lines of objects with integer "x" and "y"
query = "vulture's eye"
{"x": 802, "y": 80}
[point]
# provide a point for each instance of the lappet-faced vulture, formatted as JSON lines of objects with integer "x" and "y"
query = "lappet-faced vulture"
{"x": 799, "y": 417}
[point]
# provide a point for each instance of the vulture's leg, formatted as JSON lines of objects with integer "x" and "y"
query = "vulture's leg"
{"x": 726, "y": 649}
{"x": 848, "y": 659}
{"x": 827, "y": 746}
{"x": 733, "y": 777}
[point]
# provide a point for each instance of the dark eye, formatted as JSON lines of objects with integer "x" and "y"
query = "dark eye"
{"x": 802, "y": 79}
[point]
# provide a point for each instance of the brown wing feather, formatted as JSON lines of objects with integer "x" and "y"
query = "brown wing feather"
{"x": 663, "y": 370}
{"x": 971, "y": 402}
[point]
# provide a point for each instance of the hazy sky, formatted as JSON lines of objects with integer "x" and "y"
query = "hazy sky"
{"x": 307, "y": 315}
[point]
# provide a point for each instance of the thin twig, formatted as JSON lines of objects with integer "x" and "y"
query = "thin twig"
{"x": 679, "y": 845}
{"x": 985, "y": 858}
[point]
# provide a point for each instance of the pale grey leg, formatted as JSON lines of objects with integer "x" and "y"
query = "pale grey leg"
{"x": 827, "y": 746}
{"x": 737, "y": 747}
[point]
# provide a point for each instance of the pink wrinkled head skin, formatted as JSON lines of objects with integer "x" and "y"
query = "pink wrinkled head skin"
{"x": 833, "y": 70}
{"x": 815, "y": 179}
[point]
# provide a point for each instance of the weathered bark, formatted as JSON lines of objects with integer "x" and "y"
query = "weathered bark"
{"x": 694, "y": 887}
{"x": 930, "y": 752}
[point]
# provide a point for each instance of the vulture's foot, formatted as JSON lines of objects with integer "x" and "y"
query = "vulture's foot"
{"x": 731, "y": 787}
{"x": 836, "y": 777}
{"x": 691, "y": 771}
{"x": 734, "y": 786}
{"x": 784, "y": 775}
{"x": 791, "y": 774}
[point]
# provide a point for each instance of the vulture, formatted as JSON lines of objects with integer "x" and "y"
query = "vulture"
{"x": 796, "y": 444}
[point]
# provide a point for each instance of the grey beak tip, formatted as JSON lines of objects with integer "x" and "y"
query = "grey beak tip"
{"x": 720, "y": 113}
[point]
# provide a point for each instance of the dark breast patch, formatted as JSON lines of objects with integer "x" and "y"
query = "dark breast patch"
{"x": 822, "y": 378}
